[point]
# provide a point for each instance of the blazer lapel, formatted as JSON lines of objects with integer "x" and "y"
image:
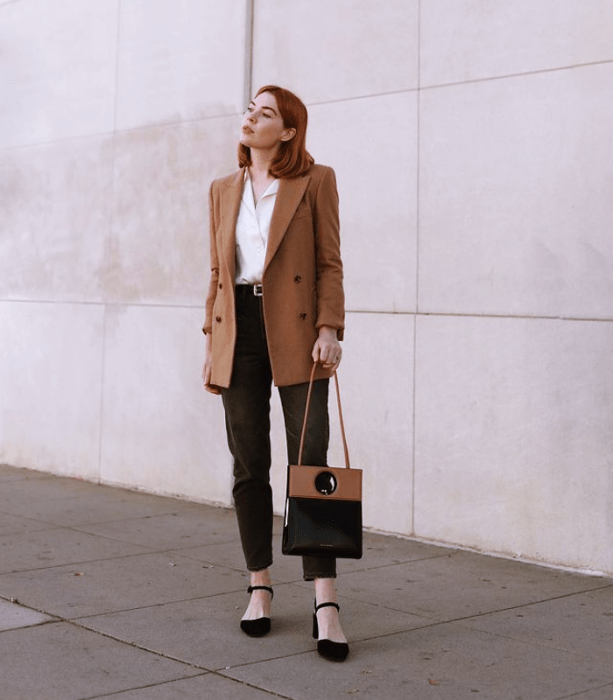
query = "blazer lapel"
{"x": 231, "y": 197}
{"x": 288, "y": 198}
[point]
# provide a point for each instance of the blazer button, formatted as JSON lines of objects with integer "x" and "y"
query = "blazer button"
{"x": 220, "y": 285}
{"x": 218, "y": 319}
{"x": 297, "y": 278}
{"x": 303, "y": 316}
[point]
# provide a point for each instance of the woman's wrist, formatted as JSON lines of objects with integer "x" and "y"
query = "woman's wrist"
{"x": 327, "y": 331}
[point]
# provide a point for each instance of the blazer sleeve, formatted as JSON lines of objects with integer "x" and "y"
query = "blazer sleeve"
{"x": 330, "y": 294}
{"x": 212, "y": 293}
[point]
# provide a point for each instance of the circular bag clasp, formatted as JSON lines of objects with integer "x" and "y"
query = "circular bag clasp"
{"x": 326, "y": 483}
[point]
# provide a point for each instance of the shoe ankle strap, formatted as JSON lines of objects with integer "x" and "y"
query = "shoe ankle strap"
{"x": 261, "y": 588}
{"x": 327, "y": 605}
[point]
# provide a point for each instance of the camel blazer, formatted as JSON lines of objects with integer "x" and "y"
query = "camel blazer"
{"x": 302, "y": 283}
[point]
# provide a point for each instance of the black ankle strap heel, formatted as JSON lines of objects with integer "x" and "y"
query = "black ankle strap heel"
{"x": 335, "y": 651}
{"x": 260, "y": 626}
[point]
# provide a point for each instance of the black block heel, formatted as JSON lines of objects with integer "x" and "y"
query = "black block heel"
{"x": 335, "y": 651}
{"x": 261, "y": 626}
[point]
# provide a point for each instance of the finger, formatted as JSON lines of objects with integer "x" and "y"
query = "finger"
{"x": 316, "y": 354}
{"x": 206, "y": 375}
{"x": 211, "y": 388}
{"x": 326, "y": 354}
{"x": 331, "y": 357}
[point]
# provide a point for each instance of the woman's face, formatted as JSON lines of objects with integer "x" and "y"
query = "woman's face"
{"x": 262, "y": 126}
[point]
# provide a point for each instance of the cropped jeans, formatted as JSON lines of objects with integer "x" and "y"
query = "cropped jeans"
{"x": 247, "y": 411}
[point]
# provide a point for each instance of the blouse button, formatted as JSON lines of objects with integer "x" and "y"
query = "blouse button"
{"x": 220, "y": 285}
{"x": 218, "y": 319}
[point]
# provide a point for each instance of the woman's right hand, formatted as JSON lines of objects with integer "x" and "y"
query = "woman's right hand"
{"x": 208, "y": 366}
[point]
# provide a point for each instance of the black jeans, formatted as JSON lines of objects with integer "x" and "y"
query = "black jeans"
{"x": 247, "y": 409}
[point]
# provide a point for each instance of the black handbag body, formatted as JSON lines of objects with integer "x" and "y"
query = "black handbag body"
{"x": 323, "y": 505}
{"x": 328, "y": 528}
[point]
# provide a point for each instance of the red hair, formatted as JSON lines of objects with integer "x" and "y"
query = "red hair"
{"x": 292, "y": 159}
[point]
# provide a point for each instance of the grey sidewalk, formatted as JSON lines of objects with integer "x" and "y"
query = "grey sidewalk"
{"x": 135, "y": 597}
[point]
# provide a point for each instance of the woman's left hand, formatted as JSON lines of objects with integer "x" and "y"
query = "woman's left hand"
{"x": 327, "y": 350}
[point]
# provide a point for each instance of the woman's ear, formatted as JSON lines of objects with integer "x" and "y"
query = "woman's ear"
{"x": 288, "y": 134}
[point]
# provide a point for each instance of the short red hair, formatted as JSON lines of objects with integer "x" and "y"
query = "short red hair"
{"x": 293, "y": 159}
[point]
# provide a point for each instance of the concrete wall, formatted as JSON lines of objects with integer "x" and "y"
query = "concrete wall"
{"x": 472, "y": 145}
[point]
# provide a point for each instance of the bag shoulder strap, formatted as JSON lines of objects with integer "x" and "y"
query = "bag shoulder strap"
{"x": 306, "y": 416}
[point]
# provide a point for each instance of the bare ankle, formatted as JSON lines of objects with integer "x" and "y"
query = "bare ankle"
{"x": 260, "y": 578}
{"x": 325, "y": 590}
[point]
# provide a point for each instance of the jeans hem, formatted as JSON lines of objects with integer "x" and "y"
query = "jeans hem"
{"x": 253, "y": 569}
{"x": 312, "y": 577}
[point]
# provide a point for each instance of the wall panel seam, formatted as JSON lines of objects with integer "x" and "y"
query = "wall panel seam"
{"x": 102, "y": 134}
{"x": 521, "y": 74}
{"x": 368, "y": 96}
{"x": 117, "y": 47}
{"x": 102, "y": 378}
{"x": 421, "y": 314}
{"x": 248, "y": 73}
{"x": 417, "y": 232}
{"x": 111, "y": 225}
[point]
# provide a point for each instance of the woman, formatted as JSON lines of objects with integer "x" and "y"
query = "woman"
{"x": 275, "y": 305}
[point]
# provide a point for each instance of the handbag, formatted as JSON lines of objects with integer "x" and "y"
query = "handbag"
{"x": 323, "y": 505}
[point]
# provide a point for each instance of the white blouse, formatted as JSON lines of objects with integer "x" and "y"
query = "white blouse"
{"x": 252, "y": 228}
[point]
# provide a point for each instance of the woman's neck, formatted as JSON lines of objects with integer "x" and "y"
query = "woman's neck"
{"x": 260, "y": 163}
{"x": 259, "y": 171}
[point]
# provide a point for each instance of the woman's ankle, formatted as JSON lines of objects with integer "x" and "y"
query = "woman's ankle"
{"x": 325, "y": 590}
{"x": 260, "y": 578}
